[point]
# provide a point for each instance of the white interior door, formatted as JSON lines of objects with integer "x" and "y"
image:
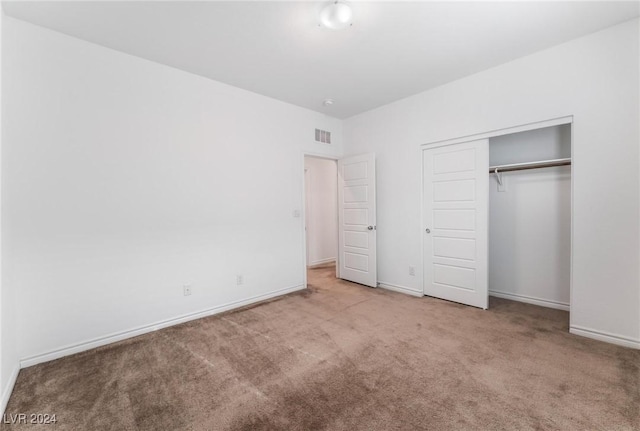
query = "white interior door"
{"x": 357, "y": 219}
{"x": 455, "y": 228}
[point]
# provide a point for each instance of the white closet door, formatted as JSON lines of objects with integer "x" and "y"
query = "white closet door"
{"x": 357, "y": 219}
{"x": 455, "y": 228}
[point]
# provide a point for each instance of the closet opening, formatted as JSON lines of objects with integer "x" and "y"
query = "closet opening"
{"x": 530, "y": 216}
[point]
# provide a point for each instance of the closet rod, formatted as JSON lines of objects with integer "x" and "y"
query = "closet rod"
{"x": 530, "y": 165}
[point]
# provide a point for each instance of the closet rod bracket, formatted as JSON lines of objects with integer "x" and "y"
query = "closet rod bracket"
{"x": 498, "y": 176}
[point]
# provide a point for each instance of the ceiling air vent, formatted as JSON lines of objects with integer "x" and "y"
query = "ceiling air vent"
{"x": 323, "y": 136}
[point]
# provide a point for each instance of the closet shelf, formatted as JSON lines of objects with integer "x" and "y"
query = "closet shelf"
{"x": 529, "y": 165}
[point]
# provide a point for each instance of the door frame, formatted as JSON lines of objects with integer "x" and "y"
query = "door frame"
{"x": 493, "y": 134}
{"x": 303, "y": 212}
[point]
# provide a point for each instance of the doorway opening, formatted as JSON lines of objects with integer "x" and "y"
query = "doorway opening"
{"x": 321, "y": 217}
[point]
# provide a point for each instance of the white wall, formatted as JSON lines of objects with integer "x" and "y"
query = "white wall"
{"x": 321, "y": 210}
{"x": 530, "y": 221}
{"x": 124, "y": 179}
{"x": 9, "y": 365}
{"x": 593, "y": 78}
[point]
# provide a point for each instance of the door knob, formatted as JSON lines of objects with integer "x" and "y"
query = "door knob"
{"x": 370, "y": 227}
{"x": 428, "y": 230}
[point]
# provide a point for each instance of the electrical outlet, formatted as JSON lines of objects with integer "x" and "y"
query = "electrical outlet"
{"x": 296, "y": 213}
{"x": 412, "y": 270}
{"x": 186, "y": 289}
{"x": 239, "y": 279}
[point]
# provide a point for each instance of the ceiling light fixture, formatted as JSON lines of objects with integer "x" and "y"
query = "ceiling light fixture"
{"x": 327, "y": 102}
{"x": 336, "y": 16}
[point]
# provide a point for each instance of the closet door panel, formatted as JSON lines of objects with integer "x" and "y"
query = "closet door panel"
{"x": 454, "y": 191}
{"x": 456, "y": 248}
{"x": 455, "y": 212}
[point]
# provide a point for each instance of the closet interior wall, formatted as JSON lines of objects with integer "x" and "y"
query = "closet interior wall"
{"x": 530, "y": 219}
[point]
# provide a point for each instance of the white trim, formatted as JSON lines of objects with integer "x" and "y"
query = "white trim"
{"x": 119, "y": 336}
{"x": 421, "y": 231}
{"x": 6, "y": 393}
{"x": 321, "y": 262}
{"x": 401, "y": 289}
{"x": 499, "y": 132}
{"x": 531, "y": 300}
{"x": 571, "y": 218}
{"x": 607, "y": 337}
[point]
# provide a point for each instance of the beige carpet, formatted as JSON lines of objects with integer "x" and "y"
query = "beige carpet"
{"x": 340, "y": 356}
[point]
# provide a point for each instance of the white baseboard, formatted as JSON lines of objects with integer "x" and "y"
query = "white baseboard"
{"x": 6, "y": 392}
{"x": 605, "y": 336}
{"x": 321, "y": 262}
{"x": 531, "y": 300}
{"x": 119, "y": 336}
{"x": 401, "y": 289}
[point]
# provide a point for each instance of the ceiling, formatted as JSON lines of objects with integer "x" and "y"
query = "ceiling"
{"x": 393, "y": 49}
